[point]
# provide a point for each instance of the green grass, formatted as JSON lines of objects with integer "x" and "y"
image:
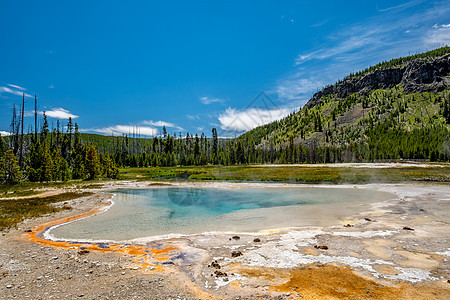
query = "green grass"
{"x": 300, "y": 174}
{"x": 19, "y": 193}
{"x": 13, "y": 212}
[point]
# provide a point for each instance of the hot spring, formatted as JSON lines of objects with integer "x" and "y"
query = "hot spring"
{"x": 163, "y": 211}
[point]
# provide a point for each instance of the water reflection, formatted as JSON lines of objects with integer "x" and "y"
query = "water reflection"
{"x": 185, "y": 197}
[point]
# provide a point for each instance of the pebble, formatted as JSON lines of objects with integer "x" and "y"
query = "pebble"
{"x": 9, "y": 286}
{"x": 54, "y": 258}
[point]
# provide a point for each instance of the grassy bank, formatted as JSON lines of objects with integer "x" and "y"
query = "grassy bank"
{"x": 14, "y": 211}
{"x": 300, "y": 174}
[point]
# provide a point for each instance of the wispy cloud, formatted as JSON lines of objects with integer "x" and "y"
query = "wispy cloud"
{"x": 298, "y": 88}
{"x": 60, "y": 113}
{"x": 209, "y": 100}
{"x": 125, "y": 129}
{"x": 143, "y": 128}
{"x": 321, "y": 23}
{"x": 17, "y": 87}
{"x": 193, "y": 117}
{"x": 244, "y": 120}
{"x": 401, "y": 6}
{"x": 438, "y": 35}
{"x": 161, "y": 124}
{"x": 51, "y": 86}
{"x": 14, "y": 90}
{"x": 398, "y": 31}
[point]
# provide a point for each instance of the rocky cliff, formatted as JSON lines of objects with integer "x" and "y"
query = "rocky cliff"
{"x": 418, "y": 75}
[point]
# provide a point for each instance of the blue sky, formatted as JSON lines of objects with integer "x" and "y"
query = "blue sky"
{"x": 193, "y": 65}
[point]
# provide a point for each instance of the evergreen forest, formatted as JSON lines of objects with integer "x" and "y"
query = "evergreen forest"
{"x": 382, "y": 124}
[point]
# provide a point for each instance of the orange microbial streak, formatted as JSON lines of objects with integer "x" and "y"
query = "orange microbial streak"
{"x": 148, "y": 256}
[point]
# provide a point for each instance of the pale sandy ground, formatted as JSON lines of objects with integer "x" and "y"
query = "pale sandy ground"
{"x": 372, "y": 258}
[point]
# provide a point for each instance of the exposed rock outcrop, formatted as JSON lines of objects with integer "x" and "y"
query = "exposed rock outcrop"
{"x": 419, "y": 75}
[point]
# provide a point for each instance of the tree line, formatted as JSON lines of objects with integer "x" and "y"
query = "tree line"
{"x": 44, "y": 155}
{"x": 394, "y": 126}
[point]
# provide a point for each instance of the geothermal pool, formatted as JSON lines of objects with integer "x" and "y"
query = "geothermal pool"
{"x": 140, "y": 213}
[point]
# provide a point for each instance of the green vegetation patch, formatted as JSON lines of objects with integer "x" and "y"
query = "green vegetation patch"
{"x": 23, "y": 193}
{"x": 297, "y": 174}
{"x": 13, "y": 212}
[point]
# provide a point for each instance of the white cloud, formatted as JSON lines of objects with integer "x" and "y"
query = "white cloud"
{"x": 126, "y": 129}
{"x": 298, "y": 89}
{"x": 4, "y": 133}
{"x": 404, "y": 5}
{"x": 193, "y": 117}
{"x": 438, "y": 36}
{"x": 305, "y": 57}
{"x": 209, "y": 100}
{"x": 17, "y": 87}
{"x": 14, "y": 90}
{"x": 60, "y": 113}
{"x": 398, "y": 32}
{"x": 161, "y": 124}
{"x": 51, "y": 86}
{"x": 320, "y": 23}
{"x": 244, "y": 120}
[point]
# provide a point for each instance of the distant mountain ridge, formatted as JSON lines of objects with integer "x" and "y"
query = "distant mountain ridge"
{"x": 393, "y": 110}
{"x": 422, "y": 73}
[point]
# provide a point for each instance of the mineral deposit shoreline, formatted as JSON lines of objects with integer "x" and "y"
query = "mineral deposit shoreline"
{"x": 396, "y": 249}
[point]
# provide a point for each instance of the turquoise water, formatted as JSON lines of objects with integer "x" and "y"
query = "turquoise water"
{"x": 139, "y": 213}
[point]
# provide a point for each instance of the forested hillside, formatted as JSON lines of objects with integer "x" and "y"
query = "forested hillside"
{"x": 398, "y": 109}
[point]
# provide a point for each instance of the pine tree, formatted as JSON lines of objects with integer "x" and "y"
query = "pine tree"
{"x": 61, "y": 167}
{"x": 9, "y": 170}
{"x": 109, "y": 168}
{"x": 215, "y": 145}
{"x": 164, "y": 131}
{"x": 92, "y": 163}
{"x": 34, "y": 162}
{"x": 35, "y": 119}
{"x": 21, "y": 132}
{"x": 240, "y": 155}
{"x": 44, "y": 130}
{"x": 78, "y": 166}
{"x": 69, "y": 131}
{"x": 47, "y": 167}
{"x": 3, "y": 147}
{"x": 447, "y": 110}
